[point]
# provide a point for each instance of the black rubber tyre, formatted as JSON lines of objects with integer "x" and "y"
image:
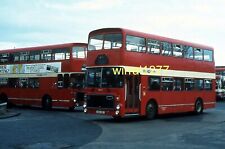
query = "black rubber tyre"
{"x": 72, "y": 108}
{"x": 151, "y": 110}
{"x": 117, "y": 118}
{"x": 4, "y": 98}
{"x": 47, "y": 103}
{"x": 198, "y": 106}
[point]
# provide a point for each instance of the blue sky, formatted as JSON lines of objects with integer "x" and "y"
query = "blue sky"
{"x": 40, "y": 22}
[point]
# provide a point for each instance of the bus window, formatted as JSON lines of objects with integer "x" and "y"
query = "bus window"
{"x": 208, "y": 84}
{"x": 13, "y": 82}
{"x": 188, "y": 52}
{"x": 198, "y": 54}
{"x": 199, "y": 84}
{"x": 166, "y": 48}
{"x": 153, "y": 46}
{"x": 177, "y": 50}
{"x": 16, "y": 56}
{"x": 58, "y": 54}
{"x": 79, "y": 52}
{"x": 208, "y": 55}
{"x": 77, "y": 80}
{"x": 46, "y": 55}
{"x": 189, "y": 84}
{"x": 96, "y": 43}
{"x": 167, "y": 84}
{"x": 33, "y": 83}
{"x": 60, "y": 81}
{"x": 66, "y": 80}
{"x": 154, "y": 83}
{"x": 34, "y": 55}
{"x": 24, "y": 56}
{"x": 135, "y": 44}
{"x": 112, "y": 41}
{"x": 3, "y": 82}
{"x": 4, "y": 58}
{"x": 178, "y": 84}
{"x": 23, "y": 83}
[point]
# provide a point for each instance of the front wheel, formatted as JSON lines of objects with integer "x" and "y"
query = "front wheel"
{"x": 198, "y": 106}
{"x": 151, "y": 110}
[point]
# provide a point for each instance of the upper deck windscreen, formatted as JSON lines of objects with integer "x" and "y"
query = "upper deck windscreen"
{"x": 105, "y": 41}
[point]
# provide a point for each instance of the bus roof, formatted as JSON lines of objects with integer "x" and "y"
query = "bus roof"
{"x": 46, "y": 47}
{"x": 151, "y": 36}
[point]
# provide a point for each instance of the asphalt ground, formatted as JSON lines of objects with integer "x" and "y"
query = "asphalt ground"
{"x": 58, "y": 129}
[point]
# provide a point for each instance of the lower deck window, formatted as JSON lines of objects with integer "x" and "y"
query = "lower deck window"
{"x": 154, "y": 83}
{"x": 167, "y": 84}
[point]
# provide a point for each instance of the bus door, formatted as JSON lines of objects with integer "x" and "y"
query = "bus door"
{"x": 132, "y": 94}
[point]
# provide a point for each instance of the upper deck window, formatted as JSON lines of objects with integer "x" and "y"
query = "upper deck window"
{"x": 136, "y": 44}
{"x": 166, "y": 48}
{"x": 46, "y": 55}
{"x": 79, "y": 52}
{"x": 208, "y": 55}
{"x": 112, "y": 41}
{"x": 177, "y": 50}
{"x": 188, "y": 52}
{"x": 24, "y": 56}
{"x": 153, "y": 46}
{"x": 35, "y": 55}
{"x": 198, "y": 53}
{"x": 4, "y": 58}
{"x": 95, "y": 43}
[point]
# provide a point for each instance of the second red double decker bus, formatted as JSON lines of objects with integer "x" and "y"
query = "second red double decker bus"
{"x": 44, "y": 76}
{"x": 134, "y": 73}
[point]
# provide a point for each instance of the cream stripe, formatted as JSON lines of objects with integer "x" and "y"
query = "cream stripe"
{"x": 190, "y": 104}
{"x": 163, "y": 72}
{"x": 175, "y": 105}
{"x": 25, "y": 99}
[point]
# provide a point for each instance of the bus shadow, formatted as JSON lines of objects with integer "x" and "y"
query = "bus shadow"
{"x": 24, "y": 107}
{"x": 178, "y": 117}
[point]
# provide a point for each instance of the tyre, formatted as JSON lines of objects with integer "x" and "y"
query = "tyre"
{"x": 117, "y": 118}
{"x": 198, "y": 106}
{"x": 151, "y": 110}
{"x": 71, "y": 108}
{"x": 4, "y": 98}
{"x": 47, "y": 103}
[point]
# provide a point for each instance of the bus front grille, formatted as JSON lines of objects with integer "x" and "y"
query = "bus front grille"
{"x": 100, "y": 101}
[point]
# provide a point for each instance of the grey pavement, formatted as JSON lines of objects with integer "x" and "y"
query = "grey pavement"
{"x": 57, "y": 129}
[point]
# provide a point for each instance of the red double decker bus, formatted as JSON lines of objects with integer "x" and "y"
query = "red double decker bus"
{"x": 44, "y": 76}
{"x": 134, "y": 73}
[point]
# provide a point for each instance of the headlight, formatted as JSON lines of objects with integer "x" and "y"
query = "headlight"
{"x": 85, "y": 105}
{"x": 85, "y": 110}
{"x": 117, "y": 112}
{"x": 117, "y": 107}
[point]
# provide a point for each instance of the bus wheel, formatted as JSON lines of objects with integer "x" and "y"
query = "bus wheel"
{"x": 71, "y": 108}
{"x": 117, "y": 118}
{"x": 4, "y": 98}
{"x": 151, "y": 110}
{"x": 47, "y": 103}
{"x": 198, "y": 106}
